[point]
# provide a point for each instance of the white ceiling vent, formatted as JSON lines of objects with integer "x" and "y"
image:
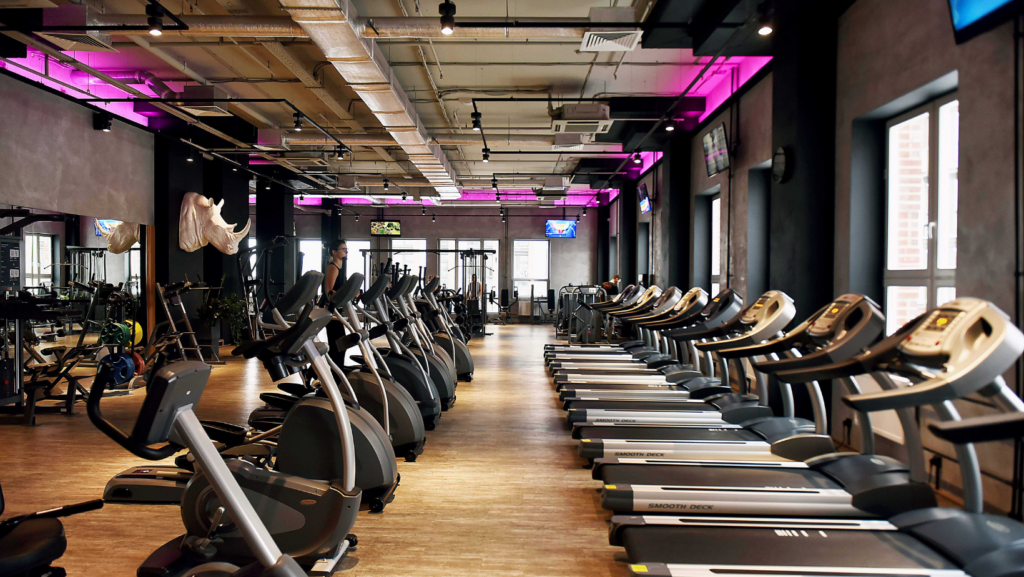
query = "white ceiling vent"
{"x": 617, "y": 41}
{"x": 75, "y": 15}
{"x": 211, "y": 94}
{"x": 586, "y": 118}
{"x": 569, "y": 142}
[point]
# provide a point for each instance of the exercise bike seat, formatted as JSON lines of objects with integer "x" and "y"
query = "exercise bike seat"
{"x": 34, "y": 543}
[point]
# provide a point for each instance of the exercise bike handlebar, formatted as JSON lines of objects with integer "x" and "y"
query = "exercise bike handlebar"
{"x": 84, "y": 287}
{"x": 137, "y": 448}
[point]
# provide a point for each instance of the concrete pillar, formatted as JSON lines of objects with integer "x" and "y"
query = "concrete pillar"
{"x": 221, "y": 182}
{"x": 803, "y": 123}
{"x": 674, "y": 204}
{"x": 275, "y": 216}
{"x": 603, "y": 232}
{"x": 628, "y": 209}
{"x": 175, "y": 176}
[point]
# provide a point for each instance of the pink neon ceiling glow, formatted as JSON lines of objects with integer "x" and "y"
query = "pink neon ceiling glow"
{"x": 722, "y": 80}
{"x": 37, "y": 61}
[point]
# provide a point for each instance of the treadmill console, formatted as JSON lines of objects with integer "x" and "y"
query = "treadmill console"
{"x": 822, "y": 326}
{"x": 693, "y": 297}
{"x": 961, "y": 332}
{"x": 769, "y": 314}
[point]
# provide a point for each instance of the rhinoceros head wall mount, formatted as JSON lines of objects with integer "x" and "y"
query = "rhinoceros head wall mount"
{"x": 201, "y": 224}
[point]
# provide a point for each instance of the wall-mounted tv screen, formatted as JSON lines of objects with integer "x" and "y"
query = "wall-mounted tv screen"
{"x": 645, "y": 199}
{"x": 974, "y": 17}
{"x": 716, "y": 150}
{"x": 386, "y": 228}
{"x": 560, "y": 229}
{"x": 104, "y": 225}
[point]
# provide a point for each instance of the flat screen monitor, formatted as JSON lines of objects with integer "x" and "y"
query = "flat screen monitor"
{"x": 560, "y": 229}
{"x": 104, "y": 225}
{"x": 974, "y": 17}
{"x": 645, "y": 199}
{"x": 716, "y": 150}
{"x": 386, "y": 228}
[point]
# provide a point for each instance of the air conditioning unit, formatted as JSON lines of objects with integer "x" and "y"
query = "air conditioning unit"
{"x": 211, "y": 94}
{"x": 569, "y": 141}
{"x": 611, "y": 39}
{"x": 555, "y": 188}
{"x": 585, "y": 118}
{"x": 75, "y": 15}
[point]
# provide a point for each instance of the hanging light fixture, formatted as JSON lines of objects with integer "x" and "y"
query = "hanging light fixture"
{"x": 424, "y": 213}
{"x": 476, "y": 116}
{"x": 447, "y": 11}
{"x": 154, "y": 19}
{"x": 433, "y": 218}
{"x": 670, "y": 126}
{"x": 357, "y": 217}
{"x": 298, "y": 122}
{"x": 584, "y": 211}
{"x": 267, "y": 187}
{"x": 637, "y": 159}
{"x": 387, "y": 183}
{"x": 764, "y": 22}
{"x": 404, "y": 196}
{"x": 487, "y": 154}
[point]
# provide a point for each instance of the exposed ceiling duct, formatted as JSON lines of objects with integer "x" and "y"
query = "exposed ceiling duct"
{"x": 220, "y": 26}
{"x": 334, "y": 26}
{"x": 425, "y": 27}
{"x": 285, "y": 139}
{"x": 128, "y": 77}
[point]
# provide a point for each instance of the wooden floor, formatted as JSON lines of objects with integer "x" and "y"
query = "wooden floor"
{"x": 499, "y": 489}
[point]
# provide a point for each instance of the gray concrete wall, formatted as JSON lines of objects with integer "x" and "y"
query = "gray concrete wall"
{"x": 54, "y": 160}
{"x": 751, "y": 147}
{"x": 881, "y": 57}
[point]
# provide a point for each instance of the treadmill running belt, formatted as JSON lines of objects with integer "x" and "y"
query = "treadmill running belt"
{"x": 667, "y": 434}
{"x": 699, "y": 545}
{"x": 642, "y": 406}
{"x": 714, "y": 477}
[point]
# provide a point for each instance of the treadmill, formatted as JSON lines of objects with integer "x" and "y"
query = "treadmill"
{"x": 762, "y": 320}
{"x": 725, "y": 307}
{"x": 645, "y": 302}
{"x": 958, "y": 349}
{"x": 837, "y": 331}
{"x": 652, "y": 352}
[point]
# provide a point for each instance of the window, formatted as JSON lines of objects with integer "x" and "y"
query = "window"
{"x": 38, "y": 260}
{"x": 530, "y": 267}
{"x": 716, "y": 244}
{"x": 416, "y": 261}
{"x": 359, "y": 260}
{"x": 921, "y": 210}
{"x": 311, "y": 252}
{"x": 447, "y": 265}
{"x": 450, "y": 265}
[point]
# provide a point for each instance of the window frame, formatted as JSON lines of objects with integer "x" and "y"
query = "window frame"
{"x": 33, "y": 279}
{"x": 931, "y": 277}
{"x": 515, "y": 279}
{"x": 496, "y": 259}
{"x": 714, "y": 279}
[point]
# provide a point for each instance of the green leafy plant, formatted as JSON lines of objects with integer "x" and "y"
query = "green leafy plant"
{"x": 231, "y": 309}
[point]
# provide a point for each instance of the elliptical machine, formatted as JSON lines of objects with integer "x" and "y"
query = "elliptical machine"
{"x": 445, "y": 331}
{"x": 167, "y": 418}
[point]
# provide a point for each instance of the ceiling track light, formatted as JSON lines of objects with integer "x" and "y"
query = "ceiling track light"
{"x": 387, "y": 183}
{"x": 764, "y": 22}
{"x": 670, "y": 126}
{"x": 102, "y": 121}
{"x": 404, "y": 196}
{"x": 424, "y": 213}
{"x": 447, "y": 11}
{"x": 234, "y": 169}
{"x": 433, "y": 218}
{"x": 267, "y": 187}
{"x": 476, "y": 116}
{"x": 357, "y": 218}
{"x": 584, "y": 211}
{"x": 487, "y": 154}
{"x": 637, "y": 159}
{"x": 154, "y": 19}
{"x": 298, "y": 122}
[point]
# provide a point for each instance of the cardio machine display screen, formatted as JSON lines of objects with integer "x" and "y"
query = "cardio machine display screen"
{"x": 836, "y": 308}
{"x": 942, "y": 321}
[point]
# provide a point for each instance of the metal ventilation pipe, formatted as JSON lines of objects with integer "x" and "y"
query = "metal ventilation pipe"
{"x": 226, "y": 26}
{"x": 425, "y": 27}
{"x": 128, "y": 77}
{"x": 304, "y": 139}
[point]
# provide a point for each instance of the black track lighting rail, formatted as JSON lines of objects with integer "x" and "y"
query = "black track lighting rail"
{"x": 179, "y": 102}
